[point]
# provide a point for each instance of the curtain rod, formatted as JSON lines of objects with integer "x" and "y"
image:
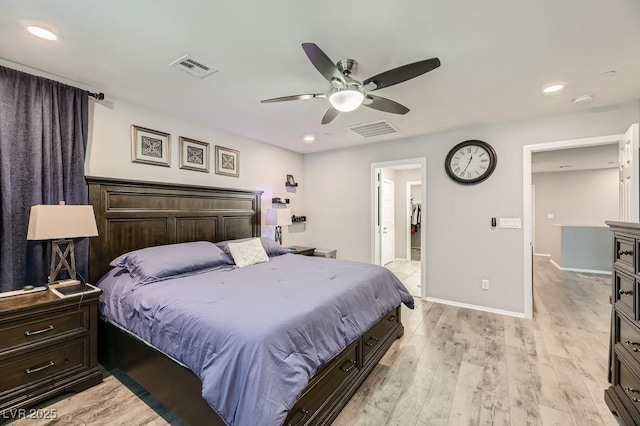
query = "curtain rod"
{"x": 98, "y": 96}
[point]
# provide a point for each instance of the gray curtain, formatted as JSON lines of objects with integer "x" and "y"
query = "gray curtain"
{"x": 43, "y": 140}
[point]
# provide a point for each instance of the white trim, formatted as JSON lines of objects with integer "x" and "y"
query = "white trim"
{"x": 422, "y": 161}
{"x": 527, "y": 150}
{"x": 589, "y": 271}
{"x": 542, "y": 254}
{"x": 476, "y": 307}
{"x": 408, "y": 206}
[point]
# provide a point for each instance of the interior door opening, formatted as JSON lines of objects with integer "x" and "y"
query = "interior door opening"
{"x": 398, "y": 221}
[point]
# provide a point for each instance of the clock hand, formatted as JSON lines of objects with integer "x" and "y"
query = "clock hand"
{"x": 465, "y": 169}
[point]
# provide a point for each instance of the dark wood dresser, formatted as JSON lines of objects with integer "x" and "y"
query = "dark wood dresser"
{"x": 623, "y": 397}
{"x": 48, "y": 345}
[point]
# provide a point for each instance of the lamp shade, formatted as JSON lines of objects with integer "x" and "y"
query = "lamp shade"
{"x": 278, "y": 217}
{"x": 50, "y": 222}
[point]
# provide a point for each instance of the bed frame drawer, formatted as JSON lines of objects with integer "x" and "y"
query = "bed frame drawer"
{"x": 331, "y": 379}
{"x": 376, "y": 335}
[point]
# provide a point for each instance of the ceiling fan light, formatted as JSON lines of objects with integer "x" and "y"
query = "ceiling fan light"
{"x": 347, "y": 99}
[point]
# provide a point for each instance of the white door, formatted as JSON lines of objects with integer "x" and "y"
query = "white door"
{"x": 629, "y": 190}
{"x": 387, "y": 239}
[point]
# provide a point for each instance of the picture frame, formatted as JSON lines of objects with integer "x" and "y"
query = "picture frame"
{"x": 194, "y": 155}
{"x": 150, "y": 146}
{"x": 291, "y": 181}
{"x": 227, "y": 161}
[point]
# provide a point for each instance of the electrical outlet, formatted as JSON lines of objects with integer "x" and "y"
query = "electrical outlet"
{"x": 485, "y": 284}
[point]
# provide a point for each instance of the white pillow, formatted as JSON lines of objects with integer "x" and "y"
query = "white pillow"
{"x": 248, "y": 253}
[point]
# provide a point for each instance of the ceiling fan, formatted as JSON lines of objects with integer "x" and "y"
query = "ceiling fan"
{"x": 347, "y": 94}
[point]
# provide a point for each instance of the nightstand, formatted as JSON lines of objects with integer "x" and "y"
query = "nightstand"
{"x": 48, "y": 346}
{"x": 305, "y": 251}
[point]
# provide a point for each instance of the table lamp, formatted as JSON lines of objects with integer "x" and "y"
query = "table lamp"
{"x": 278, "y": 217}
{"x": 60, "y": 223}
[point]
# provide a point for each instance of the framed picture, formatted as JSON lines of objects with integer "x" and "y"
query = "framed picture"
{"x": 291, "y": 181}
{"x": 150, "y": 146}
{"x": 194, "y": 155}
{"x": 227, "y": 161}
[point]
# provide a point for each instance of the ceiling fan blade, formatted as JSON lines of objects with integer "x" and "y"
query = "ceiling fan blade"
{"x": 294, "y": 98}
{"x": 330, "y": 115}
{"x": 386, "y": 105}
{"x": 403, "y": 73}
{"x": 322, "y": 63}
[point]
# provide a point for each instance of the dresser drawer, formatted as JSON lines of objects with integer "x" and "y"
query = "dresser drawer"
{"x": 628, "y": 336}
{"x": 42, "y": 326}
{"x": 43, "y": 364}
{"x": 330, "y": 380}
{"x": 373, "y": 338}
{"x": 624, "y": 293}
{"x": 624, "y": 253}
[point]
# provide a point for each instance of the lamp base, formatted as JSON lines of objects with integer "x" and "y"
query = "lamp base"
{"x": 67, "y": 260}
{"x": 278, "y": 236}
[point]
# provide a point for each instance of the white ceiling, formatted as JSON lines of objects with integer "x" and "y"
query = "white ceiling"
{"x": 573, "y": 159}
{"x": 496, "y": 55}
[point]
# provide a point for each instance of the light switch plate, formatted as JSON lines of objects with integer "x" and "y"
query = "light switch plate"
{"x": 510, "y": 222}
{"x": 549, "y": 215}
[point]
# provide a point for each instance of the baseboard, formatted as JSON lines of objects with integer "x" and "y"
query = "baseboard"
{"x": 588, "y": 271}
{"x": 542, "y": 254}
{"x": 476, "y": 307}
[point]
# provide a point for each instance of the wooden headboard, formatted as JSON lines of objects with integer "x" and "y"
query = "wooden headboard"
{"x": 131, "y": 215}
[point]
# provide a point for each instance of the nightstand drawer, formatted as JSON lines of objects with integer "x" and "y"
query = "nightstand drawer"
{"x": 624, "y": 253}
{"x": 23, "y": 370}
{"x": 43, "y": 326}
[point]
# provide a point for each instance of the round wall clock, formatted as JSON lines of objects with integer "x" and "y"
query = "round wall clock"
{"x": 470, "y": 162}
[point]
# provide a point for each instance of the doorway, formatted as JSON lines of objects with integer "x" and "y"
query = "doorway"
{"x": 528, "y": 213}
{"x": 391, "y": 221}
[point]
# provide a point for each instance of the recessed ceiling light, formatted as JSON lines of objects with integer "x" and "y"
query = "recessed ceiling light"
{"x": 554, "y": 87}
{"x": 583, "y": 99}
{"x": 42, "y": 33}
{"x": 608, "y": 74}
{"x": 309, "y": 138}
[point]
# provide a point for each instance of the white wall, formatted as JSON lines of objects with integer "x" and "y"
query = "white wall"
{"x": 583, "y": 197}
{"x": 263, "y": 167}
{"x": 461, "y": 247}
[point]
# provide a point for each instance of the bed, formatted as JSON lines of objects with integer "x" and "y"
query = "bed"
{"x": 134, "y": 215}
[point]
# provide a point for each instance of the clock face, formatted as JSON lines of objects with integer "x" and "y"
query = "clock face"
{"x": 470, "y": 162}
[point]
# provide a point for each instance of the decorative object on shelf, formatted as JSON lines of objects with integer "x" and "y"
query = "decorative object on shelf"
{"x": 227, "y": 161}
{"x": 470, "y": 162}
{"x": 150, "y": 146}
{"x": 291, "y": 181}
{"x": 279, "y": 200}
{"x": 295, "y": 218}
{"x": 194, "y": 155}
{"x": 278, "y": 217}
{"x": 61, "y": 223}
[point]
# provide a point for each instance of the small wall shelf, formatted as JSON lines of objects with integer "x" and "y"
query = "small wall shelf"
{"x": 293, "y": 185}
{"x": 279, "y": 200}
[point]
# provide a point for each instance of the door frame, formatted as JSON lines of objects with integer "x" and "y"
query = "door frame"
{"x": 393, "y": 208}
{"x": 408, "y": 206}
{"x": 527, "y": 150}
{"x": 375, "y": 236}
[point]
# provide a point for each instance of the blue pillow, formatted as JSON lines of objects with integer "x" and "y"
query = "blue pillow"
{"x": 270, "y": 246}
{"x": 159, "y": 263}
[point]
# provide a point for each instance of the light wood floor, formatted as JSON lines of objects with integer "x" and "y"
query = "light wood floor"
{"x": 453, "y": 366}
{"x": 407, "y": 271}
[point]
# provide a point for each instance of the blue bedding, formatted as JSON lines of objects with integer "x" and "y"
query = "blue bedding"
{"x": 255, "y": 335}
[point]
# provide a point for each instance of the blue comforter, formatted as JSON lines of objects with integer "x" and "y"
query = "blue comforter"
{"x": 255, "y": 335}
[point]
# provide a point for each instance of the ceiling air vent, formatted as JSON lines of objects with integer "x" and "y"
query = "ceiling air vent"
{"x": 192, "y": 67}
{"x": 376, "y": 128}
